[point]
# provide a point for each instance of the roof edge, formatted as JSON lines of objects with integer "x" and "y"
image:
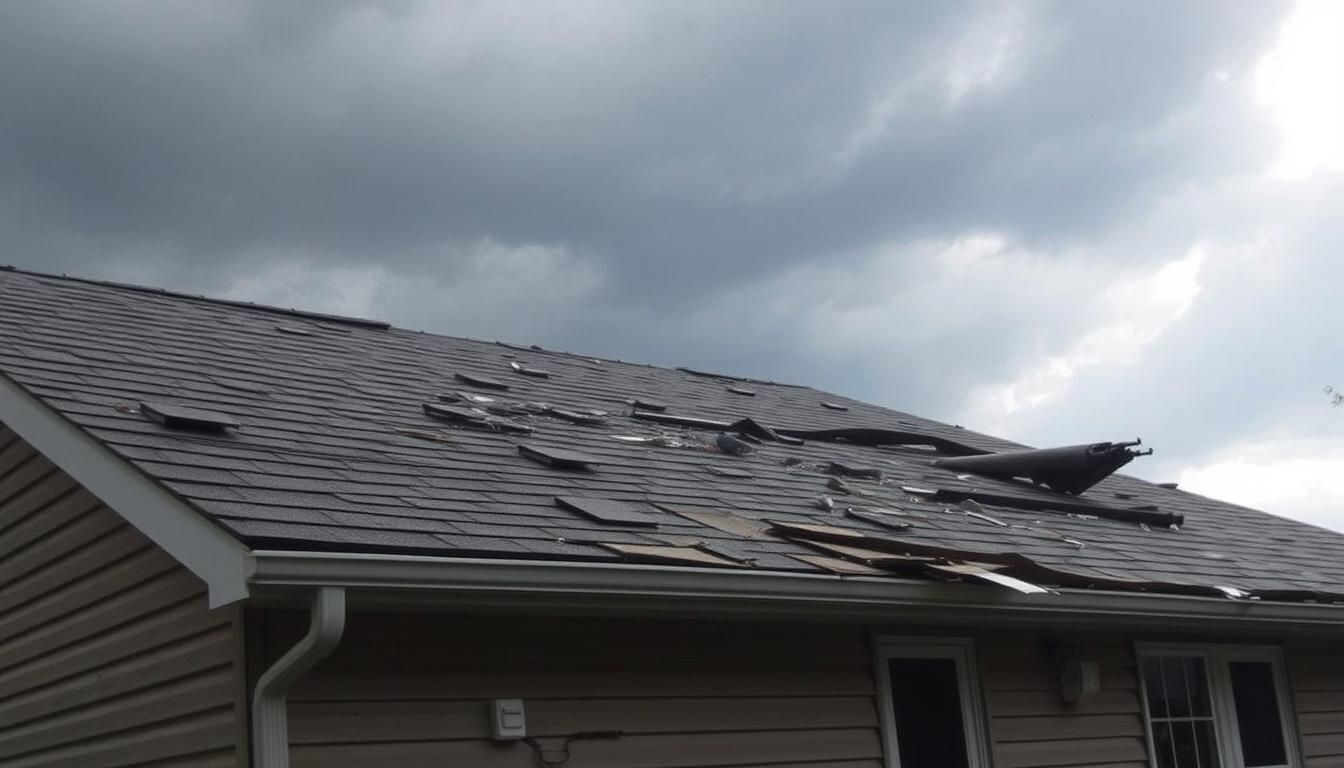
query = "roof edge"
{"x": 198, "y": 544}
{"x": 428, "y": 583}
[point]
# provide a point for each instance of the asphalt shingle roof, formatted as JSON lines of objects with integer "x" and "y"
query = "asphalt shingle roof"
{"x": 335, "y": 451}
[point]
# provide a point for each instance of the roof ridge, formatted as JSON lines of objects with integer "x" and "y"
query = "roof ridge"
{"x": 377, "y": 324}
{"x": 361, "y": 322}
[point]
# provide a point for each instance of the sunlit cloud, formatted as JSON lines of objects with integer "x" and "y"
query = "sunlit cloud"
{"x": 1301, "y": 83}
{"x": 1300, "y": 479}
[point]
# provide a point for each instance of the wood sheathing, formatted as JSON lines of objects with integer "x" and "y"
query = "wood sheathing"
{"x": 1318, "y": 673}
{"x": 109, "y": 655}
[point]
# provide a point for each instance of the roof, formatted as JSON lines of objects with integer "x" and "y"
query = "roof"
{"x": 332, "y": 448}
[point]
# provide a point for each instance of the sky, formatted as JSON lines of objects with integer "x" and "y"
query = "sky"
{"x": 1054, "y": 222}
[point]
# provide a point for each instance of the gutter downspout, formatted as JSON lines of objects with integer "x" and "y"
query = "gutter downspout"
{"x": 270, "y": 715}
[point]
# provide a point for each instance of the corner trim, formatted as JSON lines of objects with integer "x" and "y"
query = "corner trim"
{"x": 198, "y": 544}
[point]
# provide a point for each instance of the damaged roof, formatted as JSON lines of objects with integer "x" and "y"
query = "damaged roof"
{"x": 334, "y": 434}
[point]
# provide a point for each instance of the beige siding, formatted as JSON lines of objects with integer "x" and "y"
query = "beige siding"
{"x": 1030, "y": 724}
{"x": 1318, "y": 683}
{"x": 108, "y": 653}
{"x": 414, "y": 691}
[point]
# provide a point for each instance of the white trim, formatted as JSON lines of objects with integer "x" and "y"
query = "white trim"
{"x": 202, "y": 547}
{"x": 962, "y": 653}
{"x": 1222, "y": 705}
{"x": 424, "y": 582}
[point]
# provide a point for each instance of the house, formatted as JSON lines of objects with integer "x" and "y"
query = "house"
{"x": 234, "y": 535}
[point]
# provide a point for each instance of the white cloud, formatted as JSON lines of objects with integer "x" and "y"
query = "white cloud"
{"x": 1301, "y": 479}
{"x": 1301, "y": 82}
{"x": 1125, "y": 318}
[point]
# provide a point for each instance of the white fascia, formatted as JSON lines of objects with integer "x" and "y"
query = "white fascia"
{"x": 198, "y": 544}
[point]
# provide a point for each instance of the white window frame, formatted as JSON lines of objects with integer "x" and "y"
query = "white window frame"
{"x": 1223, "y": 707}
{"x": 962, "y": 653}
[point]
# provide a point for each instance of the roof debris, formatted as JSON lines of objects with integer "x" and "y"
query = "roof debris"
{"x": 1062, "y": 504}
{"x": 732, "y": 446}
{"x": 591, "y": 418}
{"x": 480, "y": 381}
{"x": 825, "y": 504}
{"x": 606, "y": 511}
{"x": 834, "y": 406}
{"x": 990, "y": 575}
{"x": 680, "y": 421}
{"x": 186, "y": 417}
{"x": 1071, "y": 469}
{"x": 557, "y": 457}
{"x": 643, "y": 404}
{"x": 848, "y": 470}
{"x": 742, "y": 391}
{"x": 727, "y": 471}
{"x": 877, "y": 516}
{"x": 473, "y": 417}
{"x": 526, "y": 371}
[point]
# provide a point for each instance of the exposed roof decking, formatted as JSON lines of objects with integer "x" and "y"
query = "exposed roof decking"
{"x": 332, "y": 451}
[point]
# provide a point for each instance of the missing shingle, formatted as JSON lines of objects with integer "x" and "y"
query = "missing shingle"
{"x": 607, "y": 511}
{"x": 834, "y": 406}
{"x": 558, "y": 458}
{"x": 184, "y": 417}
{"x": 742, "y": 391}
{"x": 528, "y": 371}
{"x": 480, "y": 381}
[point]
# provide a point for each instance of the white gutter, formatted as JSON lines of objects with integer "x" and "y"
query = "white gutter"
{"x": 391, "y": 581}
{"x": 270, "y": 715}
{"x": 204, "y": 548}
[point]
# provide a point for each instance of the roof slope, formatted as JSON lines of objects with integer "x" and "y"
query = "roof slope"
{"x": 334, "y": 451}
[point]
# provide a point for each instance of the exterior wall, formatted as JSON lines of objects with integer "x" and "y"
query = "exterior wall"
{"x": 108, "y": 653}
{"x": 414, "y": 691}
{"x": 1317, "y": 668}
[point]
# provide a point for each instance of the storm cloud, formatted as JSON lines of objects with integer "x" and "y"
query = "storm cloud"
{"x": 1054, "y": 221}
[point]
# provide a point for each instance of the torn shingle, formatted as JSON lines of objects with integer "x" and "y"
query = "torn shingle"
{"x": 668, "y": 555}
{"x": 187, "y": 418}
{"x": 607, "y": 511}
{"x": 558, "y": 458}
{"x": 480, "y": 381}
{"x": 535, "y": 373}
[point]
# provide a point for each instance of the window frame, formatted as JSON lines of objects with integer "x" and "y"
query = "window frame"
{"x": 961, "y": 650}
{"x": 1226, "y": 729}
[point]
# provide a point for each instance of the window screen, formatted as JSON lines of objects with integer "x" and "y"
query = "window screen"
{"x": 926, "y": 702}
{"x": 1180, "y": 712}
{"x": 1256, "y": 703}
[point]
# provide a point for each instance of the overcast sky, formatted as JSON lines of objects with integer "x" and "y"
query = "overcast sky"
{"x": 1054, "y": 222}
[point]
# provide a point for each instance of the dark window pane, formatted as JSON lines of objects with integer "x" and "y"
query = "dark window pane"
{"x": 1191, "y": 744}
{"x": 1173, "y": 682}
{"x": 1196, "y": 686}
{"x": 1258, "y": 719}
{"x": 1152, "y": 681}
{"x": 926, "y": 699}
{"x": 1163, "y": 749}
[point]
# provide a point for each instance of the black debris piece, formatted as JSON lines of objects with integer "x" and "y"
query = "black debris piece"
{"x": 836, "y": 484}
{"x": 187, "y": 418}
{"x": 834, "y": 406}
{"x": 748, "y": 427}
{"x": 480, "y": 381}
{"x": 691, "y": 422}
{"x": 728, "y": 471}
{"x": 558, "y": 458}
{"x": 1168, "y": 486}
{"x": 732, "y": 445}
{"x": 1071, "y": 469}
{"x": 842, "y": 469}
{"x": 880, "y": 437}
{"x": 886, "y": 520}
{"x": 644, "y": 404}
{"x": 825, "y": 503}
{"x": 293, "y": 330}
{"x": 742, "y": 391}
{"x": 607, "y": 511}
{"x": 1062, "y": 504}
{"x": 527, "y": 371}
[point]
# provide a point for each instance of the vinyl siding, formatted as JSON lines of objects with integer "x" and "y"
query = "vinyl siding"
{"x": 108, "y": 653}
{"x": 414, "y": 691}
{"x": 1031, "y": 726}
{"x": 1318, "y": 683}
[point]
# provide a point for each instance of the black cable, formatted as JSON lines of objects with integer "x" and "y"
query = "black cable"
{"x": 560, "y": 755}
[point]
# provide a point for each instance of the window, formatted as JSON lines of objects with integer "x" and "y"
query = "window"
{"x": 1216, "y": 707}
{"x": 931, "y": 712}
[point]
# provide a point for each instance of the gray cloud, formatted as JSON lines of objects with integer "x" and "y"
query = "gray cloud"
{"x": 795, "y": 191}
